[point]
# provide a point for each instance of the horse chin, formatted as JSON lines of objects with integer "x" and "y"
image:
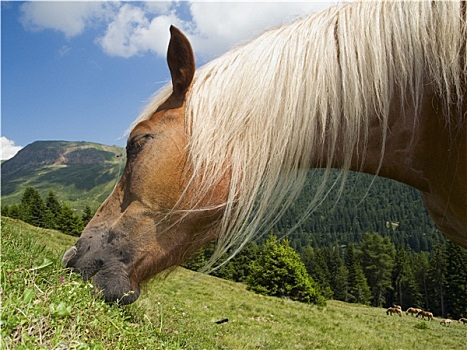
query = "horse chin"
{"x": 115, "y": 286}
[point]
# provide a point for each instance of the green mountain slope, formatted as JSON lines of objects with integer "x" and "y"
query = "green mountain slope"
{"x": 78, "y": 172}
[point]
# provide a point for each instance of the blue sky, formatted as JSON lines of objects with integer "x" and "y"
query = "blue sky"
{"x": 82, "y": 71}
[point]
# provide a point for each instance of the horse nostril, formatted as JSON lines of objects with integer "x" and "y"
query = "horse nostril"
{"x": 69, "y": 254}
{"x": 99, "y": 263}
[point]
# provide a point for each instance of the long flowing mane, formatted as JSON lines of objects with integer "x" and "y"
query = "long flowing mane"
{"x": 261, "y": 111}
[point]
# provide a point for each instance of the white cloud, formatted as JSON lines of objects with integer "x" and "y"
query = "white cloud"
{"x": 132, "y": 33}
{"x": 214, "y": 28}
{"x": 71, "y": 18}
{"x": 9, "y": 149}
{"x": 157, "y": 7}
{"x": 220, "y": 25}
{"x": 134, "y": 28}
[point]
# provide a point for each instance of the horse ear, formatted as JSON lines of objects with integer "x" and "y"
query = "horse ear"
{"x": 181, "y": 61}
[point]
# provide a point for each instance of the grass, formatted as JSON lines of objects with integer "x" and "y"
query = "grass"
{"x": 44, "y": 306}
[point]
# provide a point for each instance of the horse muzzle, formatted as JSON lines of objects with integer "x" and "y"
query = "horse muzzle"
{"x": 107, "y": 272}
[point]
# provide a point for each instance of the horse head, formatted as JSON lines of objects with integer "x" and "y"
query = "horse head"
{"x": 146, "y": 225}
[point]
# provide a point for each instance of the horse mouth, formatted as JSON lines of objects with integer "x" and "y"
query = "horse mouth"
{"x": 110, "y": 279}
{"x": 115, "y": 287}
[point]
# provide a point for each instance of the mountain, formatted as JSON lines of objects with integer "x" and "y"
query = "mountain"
{"x": 78, "y": 172}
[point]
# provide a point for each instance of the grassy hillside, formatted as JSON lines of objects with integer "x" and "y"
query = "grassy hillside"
{"x": 44, "y": 306}
{"x": 78, "y": 172}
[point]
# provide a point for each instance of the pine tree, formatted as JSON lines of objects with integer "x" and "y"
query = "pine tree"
{"x": 405, "y": 288}
{"x": 15, "y": 211}
{"x": 357, "y": 286}
{"x": 456, "y": 281}
{"x": 420, "y": 266}
{"x": 236, "y": 269}
{"x": 6, "y": 210}
{"x": 53, "y": 211}
{"x": 199, "y": 260}
{"x": 69, "y": 222}
{"x": 340, "y": 283}
{"x": 316, "y": 266}
{"x": 278, "y": 271}
{"x": 87, "y": 215}
{"x": 338, "y": 273}
{"x": 436, "y": 279}
{"x": 377, "y": 262}
{"x": 33, "y": 208}
{"x": 239, "y": 267}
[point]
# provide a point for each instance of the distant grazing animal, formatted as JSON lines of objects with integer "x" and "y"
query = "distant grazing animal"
{"x": 463, "y": 320}
{"x": 394, "y": 310}
{"x": 446, "y": 322}
{"x": 413, "y": 311}
{"x": 377, "y": 87}
{"x": 426, "y": 314}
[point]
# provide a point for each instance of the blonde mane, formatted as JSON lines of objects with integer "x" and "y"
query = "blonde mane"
{"x": 262, "y": 110}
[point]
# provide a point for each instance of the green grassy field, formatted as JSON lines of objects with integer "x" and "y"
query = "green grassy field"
{"x": 45, "y": 306}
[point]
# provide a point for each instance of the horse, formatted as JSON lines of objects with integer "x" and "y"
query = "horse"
{"x": 412, "y": 310}
{"x": 424, "y": 314}
{"x": 394, "y": 310}
{"x": 446, "y": 322}
{"x": 222, "y": 152}
{"x": 463, "y": 320}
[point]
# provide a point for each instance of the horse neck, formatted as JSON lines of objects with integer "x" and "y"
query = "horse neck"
{"x": 403, "y": 157}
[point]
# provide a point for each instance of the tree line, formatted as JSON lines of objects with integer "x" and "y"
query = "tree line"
{"x": 367, "y": 204}
{"x": 374, "y": 272}
{"x": 48, "y": 212}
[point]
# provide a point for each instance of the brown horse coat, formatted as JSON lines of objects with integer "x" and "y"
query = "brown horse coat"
{"x": 426, "y": 314}
{"x": 394, "y": 310}
{"x": 413, "y": 311}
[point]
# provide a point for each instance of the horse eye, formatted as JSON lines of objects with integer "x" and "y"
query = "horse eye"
{"x": 136, "y": 143}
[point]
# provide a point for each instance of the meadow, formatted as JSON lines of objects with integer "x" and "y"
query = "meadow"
{"x": 45, "y": 306}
